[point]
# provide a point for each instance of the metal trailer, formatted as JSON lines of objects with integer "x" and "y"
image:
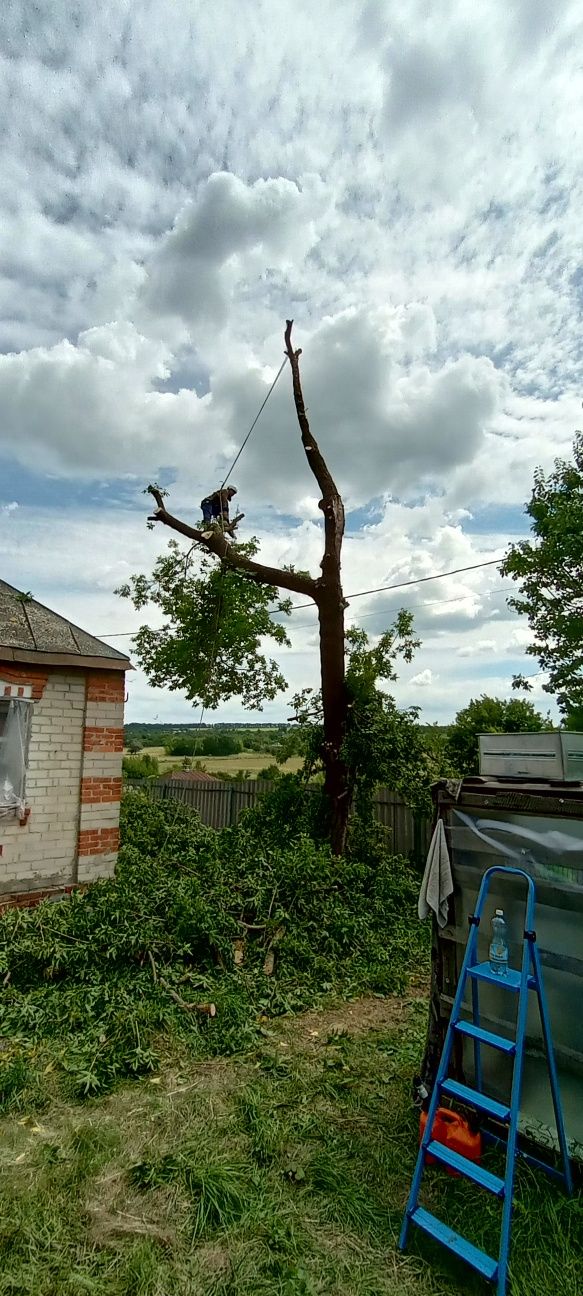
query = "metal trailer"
{"x": 536, "y": 826}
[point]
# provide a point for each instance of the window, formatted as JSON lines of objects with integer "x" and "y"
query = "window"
{"x": 15, "y": 723}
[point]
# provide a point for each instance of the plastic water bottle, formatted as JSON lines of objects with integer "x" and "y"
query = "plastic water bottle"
{"x": 499, "y": 945}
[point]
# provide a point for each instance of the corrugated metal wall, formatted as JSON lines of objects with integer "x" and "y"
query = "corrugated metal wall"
{"x": 220, "y": 804}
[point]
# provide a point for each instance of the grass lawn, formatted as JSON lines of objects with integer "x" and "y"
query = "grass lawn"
{"x": 253, "y": 761}
{"x": 280, "y": 1173}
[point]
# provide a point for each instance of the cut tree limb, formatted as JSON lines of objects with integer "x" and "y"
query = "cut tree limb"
{"x": 207, "y": 1009}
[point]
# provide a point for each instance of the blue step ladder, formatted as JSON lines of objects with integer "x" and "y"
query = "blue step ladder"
{"x": 506, "y": 1114}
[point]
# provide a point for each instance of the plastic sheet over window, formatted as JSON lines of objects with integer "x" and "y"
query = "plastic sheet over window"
{"x": 549, "y": 848}
{"x": 14, "y": 742}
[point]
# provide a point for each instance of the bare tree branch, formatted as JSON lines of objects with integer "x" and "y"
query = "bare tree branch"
{"x": 314, "y": 455}
{"x": 331, "y": 502}
{"x": 217, "y": 544}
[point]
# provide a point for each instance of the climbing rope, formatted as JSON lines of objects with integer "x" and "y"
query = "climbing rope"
{"x": 223, "y": 484}
{"x": 255, "y": 420}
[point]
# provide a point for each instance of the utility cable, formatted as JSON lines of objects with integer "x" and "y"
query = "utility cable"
{"x": 419, "y": 580}
{"x": 459, "y": 598}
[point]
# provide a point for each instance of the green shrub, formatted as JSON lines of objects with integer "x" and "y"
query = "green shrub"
{"x": 271, "y": 772}
{"x": 140, "y": 767}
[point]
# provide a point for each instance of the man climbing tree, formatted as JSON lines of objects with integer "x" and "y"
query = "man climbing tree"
{"x": 215, "y": 509}
{"x": 235, "y": 598}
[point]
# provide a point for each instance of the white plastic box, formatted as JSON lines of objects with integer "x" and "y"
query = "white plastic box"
{"x": 533, "y": 755}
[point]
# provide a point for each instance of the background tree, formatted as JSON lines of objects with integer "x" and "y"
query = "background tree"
{"x": 211, "y": 649}
{"x": 487, "y": 715}
{"x": 221, "y": 743}
{"x": 182, "y": 745}
{"x": 549, "y": 570}
{"x": 382, "y": 743}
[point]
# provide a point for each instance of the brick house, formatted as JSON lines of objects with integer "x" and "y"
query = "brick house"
{"x": 61, "y": 742}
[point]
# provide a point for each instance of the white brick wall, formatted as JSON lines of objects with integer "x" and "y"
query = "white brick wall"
{"x": 100, "y": 764}
{"x": 107, "y": 715}
{"x": 96, "y": 866}
{"x": 104, "y": 814}
{"x": 44, "y": 851}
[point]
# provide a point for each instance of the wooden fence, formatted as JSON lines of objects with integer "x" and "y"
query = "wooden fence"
{"x": 220, "y": 804}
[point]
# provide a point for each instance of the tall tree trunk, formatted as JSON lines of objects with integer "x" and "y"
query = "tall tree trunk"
{"x": 334, "y": 709}
{"x": 331, "y": 603}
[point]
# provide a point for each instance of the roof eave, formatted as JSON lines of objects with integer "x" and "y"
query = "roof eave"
{"x": 34, "y": 657}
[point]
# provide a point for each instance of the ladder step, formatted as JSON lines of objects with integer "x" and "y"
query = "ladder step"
{"x": 512, "y": 980}
{"x": 486, "y": 1037}
{"x": 499, "y": 1111}
{"x": 482, "y": 1263}
{"x": 469, "y": 1169}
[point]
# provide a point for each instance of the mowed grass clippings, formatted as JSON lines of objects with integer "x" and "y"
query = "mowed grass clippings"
{"x": 284, "y": 1174}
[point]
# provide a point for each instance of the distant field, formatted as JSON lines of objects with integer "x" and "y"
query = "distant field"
{"x": 252, "y": 761}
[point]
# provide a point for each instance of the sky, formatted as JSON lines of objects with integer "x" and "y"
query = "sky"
{"x": 405, "y": 181}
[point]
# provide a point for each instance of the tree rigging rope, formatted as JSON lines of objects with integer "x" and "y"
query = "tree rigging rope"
{"x": 235, "y": 460}
{"x": 255, "y": 420}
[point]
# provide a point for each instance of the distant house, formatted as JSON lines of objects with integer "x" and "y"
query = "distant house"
{"x": 190, "y": 776}
{"x": 61, "y": 741}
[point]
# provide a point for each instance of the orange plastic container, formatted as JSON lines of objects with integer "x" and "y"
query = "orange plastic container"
{"x": 454, "y": 1132}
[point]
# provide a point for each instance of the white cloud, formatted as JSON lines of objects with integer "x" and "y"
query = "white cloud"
{"x": 91, "y": 409}
{"x": 214, "y": 240}
{"x": 423, "y": 679}
{"x": 416, "y": 422}
{"x": 94, "y": 407}
{"x": 520, "y": 638}
{"x": 482, "y": 647}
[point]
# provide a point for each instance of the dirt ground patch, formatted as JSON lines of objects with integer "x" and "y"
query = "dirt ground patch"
{"x": 355, "y": 1017}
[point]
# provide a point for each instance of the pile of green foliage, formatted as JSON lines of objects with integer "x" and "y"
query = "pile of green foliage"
{"x": 99, "y": 987}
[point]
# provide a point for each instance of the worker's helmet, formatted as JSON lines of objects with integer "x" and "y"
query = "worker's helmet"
{"x": 231, "y": 490}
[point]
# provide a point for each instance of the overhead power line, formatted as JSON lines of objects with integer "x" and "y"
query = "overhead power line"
{"x": 419, "y": 580}
{"x": 459, "y": 598}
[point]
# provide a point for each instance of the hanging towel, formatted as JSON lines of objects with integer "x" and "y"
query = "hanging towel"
{"x": 437, "y": 884}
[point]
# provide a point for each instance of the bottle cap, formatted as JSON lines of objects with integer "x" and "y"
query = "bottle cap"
{"x": 499, "y": 913}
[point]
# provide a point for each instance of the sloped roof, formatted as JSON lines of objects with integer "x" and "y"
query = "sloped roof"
{"x": 29, "y": 630}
